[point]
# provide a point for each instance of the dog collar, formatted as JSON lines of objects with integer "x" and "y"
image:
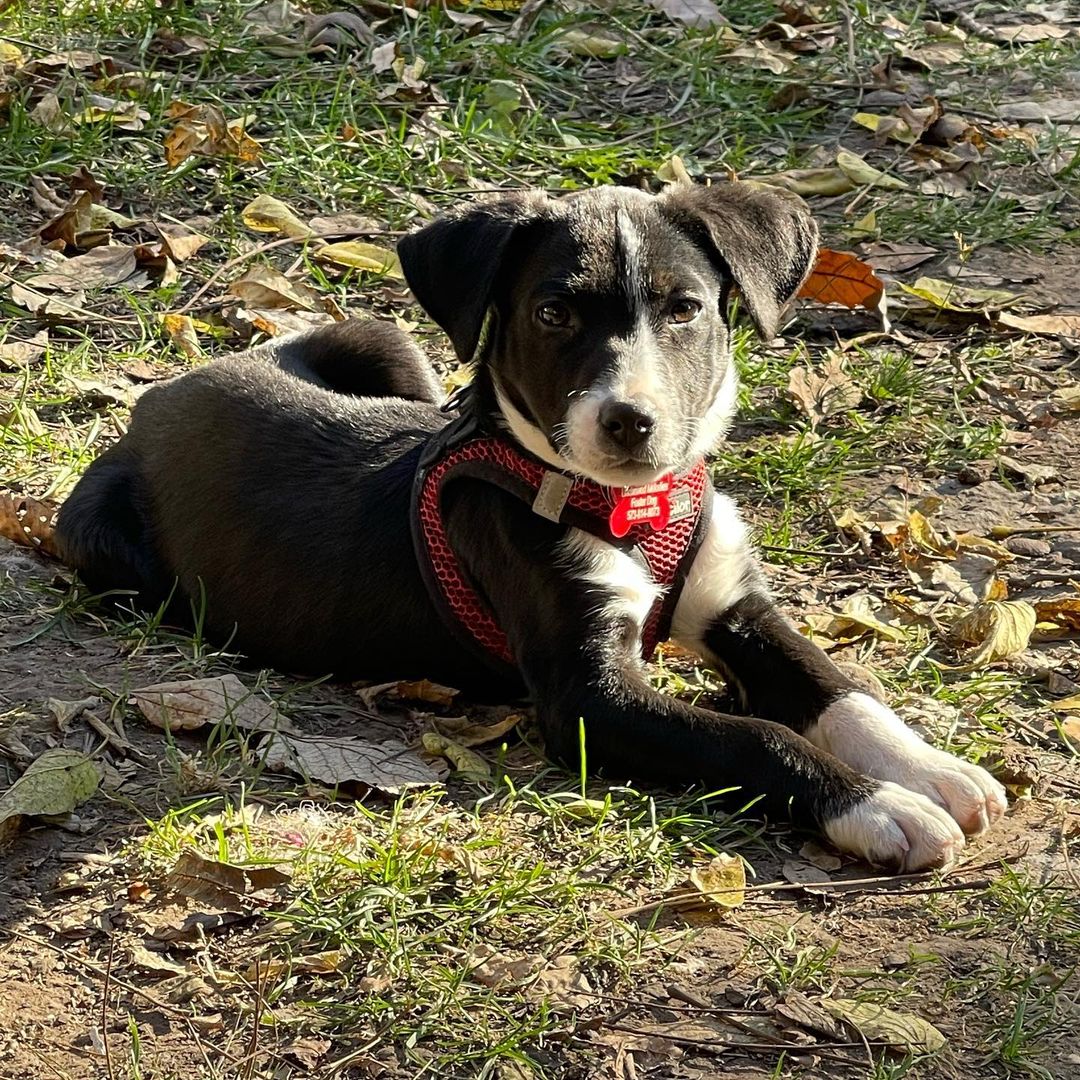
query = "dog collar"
{"x": 661, "y": 524}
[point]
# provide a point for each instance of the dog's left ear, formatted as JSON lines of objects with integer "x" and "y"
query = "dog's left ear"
{"x": 765, "y": 242}
{"x": 451, "y": 265}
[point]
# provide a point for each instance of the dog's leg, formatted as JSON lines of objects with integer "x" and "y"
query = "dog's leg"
{"x": 572, "y": 608}
{"x": 102, "y": 531}
{"x": 726, "y": 615}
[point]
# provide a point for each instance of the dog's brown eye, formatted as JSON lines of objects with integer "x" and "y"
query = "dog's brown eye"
{"x": 553, "y": 313}
{"x": 684, "y": 311}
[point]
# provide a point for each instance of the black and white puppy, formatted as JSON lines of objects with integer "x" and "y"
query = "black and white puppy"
{"x": 275, "y": 489}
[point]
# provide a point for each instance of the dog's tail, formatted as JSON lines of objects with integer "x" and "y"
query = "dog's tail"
{"x": 362, "y": 358}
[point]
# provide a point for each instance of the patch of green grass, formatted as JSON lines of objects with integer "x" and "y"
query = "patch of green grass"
{"x": 439, "y": 916}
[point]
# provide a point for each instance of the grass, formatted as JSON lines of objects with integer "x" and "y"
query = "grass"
{"x": 410, "y": 905}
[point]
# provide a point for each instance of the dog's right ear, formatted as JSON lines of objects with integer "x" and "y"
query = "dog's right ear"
{"x": 451, "y": 264}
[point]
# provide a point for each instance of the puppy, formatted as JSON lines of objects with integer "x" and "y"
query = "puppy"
{"x": 325, "y": 515}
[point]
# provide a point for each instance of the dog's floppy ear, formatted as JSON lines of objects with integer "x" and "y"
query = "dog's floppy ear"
{"x": 451, "y": 264}
{"x": 765, "y": 241}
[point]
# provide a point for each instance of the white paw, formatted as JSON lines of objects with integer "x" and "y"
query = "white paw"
{"x": 873, "y": 740}
{"x": 898, "y": 828}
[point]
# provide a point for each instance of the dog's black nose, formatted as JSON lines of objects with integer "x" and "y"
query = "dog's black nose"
{"x": 626, "y": 423}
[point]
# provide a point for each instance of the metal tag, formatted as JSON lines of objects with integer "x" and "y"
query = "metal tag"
{"x": 682, "y": 504}
{"x": 552, "y": 496}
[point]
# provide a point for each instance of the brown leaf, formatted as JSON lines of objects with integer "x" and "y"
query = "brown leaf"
{"x": 466, "y": 732}
{"x": 387, "y": 766}
{"x": 839, "y": 277}
{"x": 825, "y": 394}
{"x": 1053, "y": 325}
{"x": 425, "y": 690}
{"x": 894, "y": 258}
{"x": 99, "y": 268}
{"x": 265, "y": 287}
{"x": 180, "y": 242}
{"x": 29, "y": 522}
{"x": 188, "y": 704}
{"x": 203, "y": 130}
{"x": 15, "y": 354}
{"x": 697, "y": 14}
{"x": 224, "y": 886}
{"x": 1063, "y": 612}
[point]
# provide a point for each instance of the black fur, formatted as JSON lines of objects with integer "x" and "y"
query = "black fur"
{"x": 277, "y": 483}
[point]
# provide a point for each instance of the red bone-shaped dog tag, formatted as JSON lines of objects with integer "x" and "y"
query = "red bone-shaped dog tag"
{"x": 636, "y": 505}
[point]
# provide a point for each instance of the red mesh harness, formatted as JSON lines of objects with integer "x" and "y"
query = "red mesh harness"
{"x": 460, "y": 450}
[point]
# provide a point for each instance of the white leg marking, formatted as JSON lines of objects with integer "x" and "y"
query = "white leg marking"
{"x": 632, "y": 591}
{"x": 898, "y": 828}
{"x": 873, "y": 740}
{"x": 722, "y": 574}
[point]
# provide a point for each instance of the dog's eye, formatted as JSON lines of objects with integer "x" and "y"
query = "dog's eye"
{"x": 684, "y": 310}
{"x": 554, "y": 313}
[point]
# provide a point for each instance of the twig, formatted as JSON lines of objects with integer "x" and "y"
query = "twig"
{"x": 105, "y": 1008}
{"x": 853, "y": 553}
{"x": 821, "y": 1049}
{"x": 232, "y": 263}
{"x": 843, "y": 885}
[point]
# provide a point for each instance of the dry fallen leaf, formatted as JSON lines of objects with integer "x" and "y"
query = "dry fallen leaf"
{"x": 1053, "y": 325}
{"x": 1068, "y": 704}
{"x": 53, "y": 784}
{"x": 181, "y": 332}
{"x": 466, "y": 762}
{"x": 582, "y": 41}
{"x": 721, "y": 882}
{"x": 862, "y": 174}
{"x": 222, "y": 885}
{"x": 1063, "y": 612}
{"x": 189, "y": 704}
{"x": 388, "y": 766}
{"x": 203, "y": 130}
{"x": 265, "y": 287}
{"x": 825, "y": 394}
{"x": 693, "y": 13}
{"x": 466, "y": 732}
{"x": 839, "y": 277}
{"x": 266, "y": 214}
{"x": 362, "y": 256}
{"x": 99, "y": 268}
{"x": 997, "y": 628}
{"x": 29, "y": 522}
{"x": 425, "y": 690}
{"x": 904, "y": 1031}
{"x": 951, "y": 296}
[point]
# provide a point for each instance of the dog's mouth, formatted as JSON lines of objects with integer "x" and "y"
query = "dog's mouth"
{"x": 613, "y": 471}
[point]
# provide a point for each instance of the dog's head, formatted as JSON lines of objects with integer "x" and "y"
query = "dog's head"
{"x": 599, "y": 319}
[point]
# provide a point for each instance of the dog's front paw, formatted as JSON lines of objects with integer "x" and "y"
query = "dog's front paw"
{"x": 970, "y": 794}
{"x": 897, "y": 828}
{"x": 873, "y": 740}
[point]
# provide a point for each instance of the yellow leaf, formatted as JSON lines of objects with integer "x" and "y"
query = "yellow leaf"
{"x": 266, "y": 214}
{"x": 181, "y": 332}
{"x": 1067, "y": 704}
{"x": 949, "y": 296}
{"x": 904, "y": 1031}
{"x": 362, "y": 256}
{"x": 890, "y": 126}
{"x": 721, "y": 882}
{"x": 999, "y": 629}
{"x": 863, "y": 174}
{"x": 471, "y": 765}
{"x": 826, "y": 182}
{"x": 926, "y": 536}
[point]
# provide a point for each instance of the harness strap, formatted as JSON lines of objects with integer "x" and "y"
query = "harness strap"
{"x": 462, "y": 450}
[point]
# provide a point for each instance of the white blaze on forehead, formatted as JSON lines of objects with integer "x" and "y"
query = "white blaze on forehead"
{"x": 631, "y": 246}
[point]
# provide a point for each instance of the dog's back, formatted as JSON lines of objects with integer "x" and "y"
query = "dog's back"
{"x": 341, "y": 416}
